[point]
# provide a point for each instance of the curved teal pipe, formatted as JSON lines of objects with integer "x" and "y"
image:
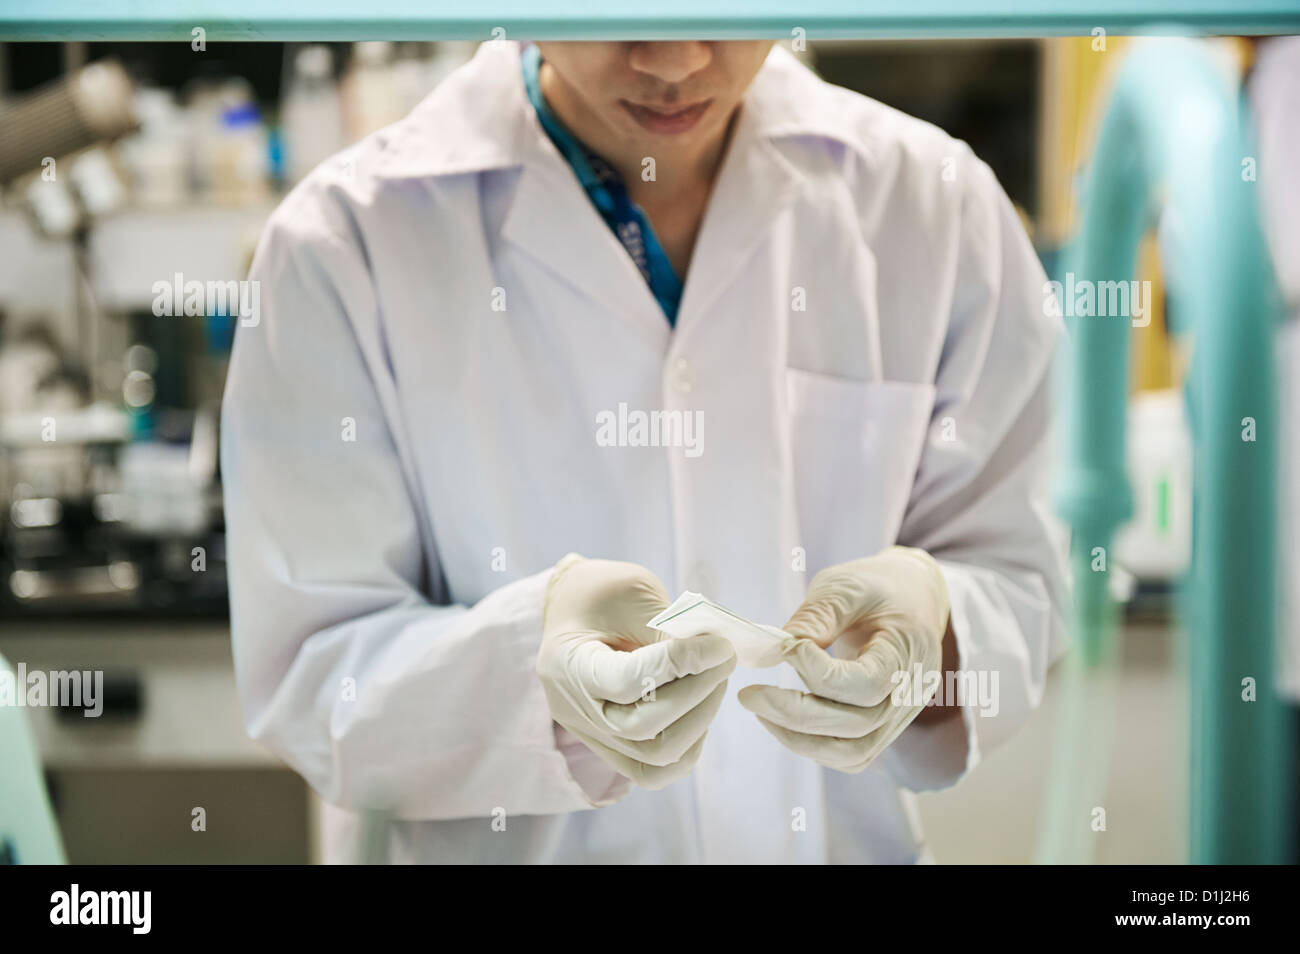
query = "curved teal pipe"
{"x": 1173, "y": 138}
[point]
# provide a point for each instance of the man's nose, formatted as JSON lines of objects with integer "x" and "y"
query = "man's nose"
{"x": 670, "y": 62}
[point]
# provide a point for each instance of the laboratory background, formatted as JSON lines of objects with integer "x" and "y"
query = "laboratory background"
{"x": 112, "y": 553}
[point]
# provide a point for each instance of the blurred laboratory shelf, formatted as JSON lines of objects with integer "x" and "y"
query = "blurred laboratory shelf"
{"x": 35, "y": 272}
{"x": 128, "y": 252}
{"x": 188, "y": 714}
{"x": 135, "y": 248}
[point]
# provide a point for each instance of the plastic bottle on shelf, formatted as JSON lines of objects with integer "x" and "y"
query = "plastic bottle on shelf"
{"x": 157, "y": 155}
{"x": 241, "y": 159}
{"x": 311, "y": 117}
{"x": 372, "y": 95}
{"x": 229, "y": 143}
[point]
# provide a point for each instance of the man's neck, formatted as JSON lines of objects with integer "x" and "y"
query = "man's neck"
{"x": 678, "y": 175}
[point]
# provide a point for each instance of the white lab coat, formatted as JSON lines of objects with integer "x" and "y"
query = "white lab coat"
{"x": 863, "y": 331}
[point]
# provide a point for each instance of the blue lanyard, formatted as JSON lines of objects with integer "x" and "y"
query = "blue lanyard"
{"x": 605, "y": 188}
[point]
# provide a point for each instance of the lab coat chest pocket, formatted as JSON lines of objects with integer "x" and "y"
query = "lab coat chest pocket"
{"x": 855, "y": 448}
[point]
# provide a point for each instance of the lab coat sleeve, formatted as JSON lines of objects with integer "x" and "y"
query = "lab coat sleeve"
{"x": 979, "y": 502}
{"x": 346, "y": 671}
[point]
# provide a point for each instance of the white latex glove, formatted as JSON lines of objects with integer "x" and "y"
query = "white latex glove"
{"x": 637, "y": 698}
{"x": 893, "y": 609}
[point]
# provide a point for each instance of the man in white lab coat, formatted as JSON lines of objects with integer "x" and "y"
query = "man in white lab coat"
{"x": 473, "y": 325}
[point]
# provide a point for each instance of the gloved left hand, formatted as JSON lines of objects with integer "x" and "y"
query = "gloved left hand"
{"x": 892, "y": 610}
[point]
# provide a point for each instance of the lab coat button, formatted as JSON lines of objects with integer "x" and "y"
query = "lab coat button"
{"x": 682, "y": 377}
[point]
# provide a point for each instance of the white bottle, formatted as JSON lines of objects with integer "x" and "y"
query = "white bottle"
{"x": 373, "y": 97}
{"x": 312, "y": 118}
{"x": 158, "y": 154}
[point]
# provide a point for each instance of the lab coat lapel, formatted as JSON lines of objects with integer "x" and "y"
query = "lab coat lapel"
{"x": 754, "y": 186}
{"x": 552, "y": 220}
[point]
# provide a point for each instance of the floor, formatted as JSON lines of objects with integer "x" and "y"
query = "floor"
{"x": 994, "y": 814}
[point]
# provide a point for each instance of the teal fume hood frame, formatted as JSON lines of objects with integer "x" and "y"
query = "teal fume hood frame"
{"x": 593, "y": 20}
{"x": 1173, "y": 138}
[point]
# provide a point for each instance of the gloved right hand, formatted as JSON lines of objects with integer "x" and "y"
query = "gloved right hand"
{"x": 639, "y": 699}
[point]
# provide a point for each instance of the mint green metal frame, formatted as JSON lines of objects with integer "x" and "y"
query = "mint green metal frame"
{"x": 1173, "y": 129}
{"x": 667, "y": 19}
{"x": 1174, "y": 132}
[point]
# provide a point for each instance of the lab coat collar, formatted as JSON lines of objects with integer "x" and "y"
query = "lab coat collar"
{"x": 479, "y": 118}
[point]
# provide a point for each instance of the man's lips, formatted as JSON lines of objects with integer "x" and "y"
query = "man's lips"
{"x": 659, "y": 120}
